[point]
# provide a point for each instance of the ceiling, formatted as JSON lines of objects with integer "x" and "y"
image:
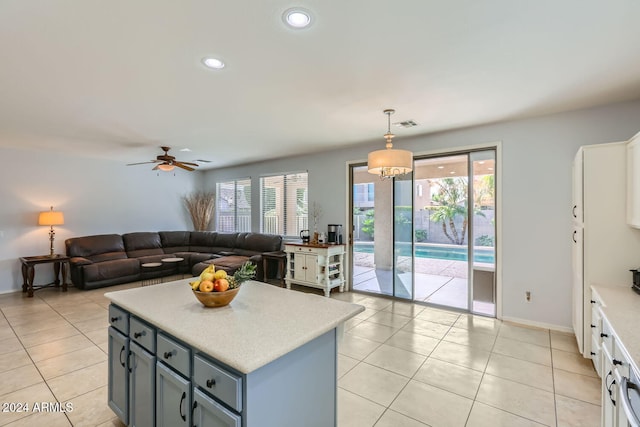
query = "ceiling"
{"x": 118, "y": 79}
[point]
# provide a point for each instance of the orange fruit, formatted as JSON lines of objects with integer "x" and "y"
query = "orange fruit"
{"x": 206, "y": 286}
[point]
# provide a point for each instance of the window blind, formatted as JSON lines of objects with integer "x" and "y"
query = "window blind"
{"x": 233, "y": 205}
{"x": 284, "y": 204}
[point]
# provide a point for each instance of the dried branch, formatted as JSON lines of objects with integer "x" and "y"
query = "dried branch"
{"x": 200, "y": 206}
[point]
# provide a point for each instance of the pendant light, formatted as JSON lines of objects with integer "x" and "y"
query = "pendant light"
{"x": 390, "y": 162}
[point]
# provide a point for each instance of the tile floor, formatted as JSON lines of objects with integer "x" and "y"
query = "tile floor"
{"x": 400, "y": 364}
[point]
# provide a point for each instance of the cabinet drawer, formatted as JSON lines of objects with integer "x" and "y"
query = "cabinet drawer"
{"x": 174, "y": 354}
{"x": 607, "y": 336}
{"x": 218, "y": 382}
{"x": 596, "y": 322}
{"x": 142, "y": 333}
{"x": 596, "y": 354}
{"x": 119, "y": 319}
{"x": 620, "y": 359}
{"x": 302, "y": 249}
{"x": 207, "y": 411}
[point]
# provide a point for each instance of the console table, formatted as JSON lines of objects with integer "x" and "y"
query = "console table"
{"x": 315, "y": 265}
{"x": 60, "y": 263}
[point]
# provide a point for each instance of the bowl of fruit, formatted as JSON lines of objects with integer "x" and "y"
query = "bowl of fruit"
{"x": 215, "y": 288}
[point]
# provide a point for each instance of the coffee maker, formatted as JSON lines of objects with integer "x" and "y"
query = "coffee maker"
{"x": 334, "y": 235}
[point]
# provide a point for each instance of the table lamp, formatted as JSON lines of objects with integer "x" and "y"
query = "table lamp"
{"x": 51, "y": 218}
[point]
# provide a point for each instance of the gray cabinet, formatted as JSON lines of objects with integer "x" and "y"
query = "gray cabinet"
{"x": 156, "y": 379}
{"x": 208, "y": 412}
{"x": 118, "y": 375}
{"x": 173, "y": 398}
{"x": 131, "y": 369}
{"x": 142, "y": 378}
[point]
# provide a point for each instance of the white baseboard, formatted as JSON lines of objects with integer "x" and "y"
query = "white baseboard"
{"x": 539, "y": 324}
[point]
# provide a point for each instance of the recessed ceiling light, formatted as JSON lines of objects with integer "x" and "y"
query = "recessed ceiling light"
{"x": 213, "y": 63}
{"x": 452, "y": 172}
{"x": 440, "y": 167}
{"x": 297, "y": 18}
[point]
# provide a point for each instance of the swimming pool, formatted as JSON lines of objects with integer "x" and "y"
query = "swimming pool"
{"x": 427, "y": 250}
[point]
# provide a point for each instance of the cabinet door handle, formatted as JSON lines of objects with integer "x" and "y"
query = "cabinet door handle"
{"x": 128, "y": 361}
{"x": 193, "y": 409}
{"x": 113, "y": 319}
{"x": 574, "y": 211}
{"x": 183, "y": 416}
{"x": 574, "y": 236}
{"x": 603, "y": 335}
{"x": 139, "y": 334}
{"x": 592, "y": 353}
{"x": 122, "y": 361}
{"x": 168, "y": 354}
{"x": 593, "y": 326}
{"x": 592, "y": 302}
{"x": 617, "y": 362}
{"x": 211, "y": 383}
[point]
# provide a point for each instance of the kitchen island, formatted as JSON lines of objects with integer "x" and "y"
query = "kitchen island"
{"x": 268, "y": 358}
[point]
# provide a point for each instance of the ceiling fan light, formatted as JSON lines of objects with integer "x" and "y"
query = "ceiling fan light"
{"x": 165, "y": 167}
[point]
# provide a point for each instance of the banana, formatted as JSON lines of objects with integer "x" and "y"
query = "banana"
{"x": 195, "y": 285}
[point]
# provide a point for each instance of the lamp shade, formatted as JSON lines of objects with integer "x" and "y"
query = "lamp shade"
{"x": 51, "y": 218}
{"x": 390, "y": 162}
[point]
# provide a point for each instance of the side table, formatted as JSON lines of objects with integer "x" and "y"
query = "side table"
{"x": 148, "y": 268}
{"x": 280, "y": 258}
{"x": 175, "y": 261}
{"x": 60, "y": 263}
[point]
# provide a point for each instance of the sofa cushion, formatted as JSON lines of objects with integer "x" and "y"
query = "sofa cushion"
{"x": 202, "y": 241}
{"x": 228, "y": 263}
{"x": 101, "y": 271}
{"x": 175, "y": 241}
{"x": 249, "y": 244}
{"x": 142, "y": 244}
{"x": 98, "y": 248}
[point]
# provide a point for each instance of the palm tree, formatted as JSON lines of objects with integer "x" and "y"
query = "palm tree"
{"x": 449, "y": 202}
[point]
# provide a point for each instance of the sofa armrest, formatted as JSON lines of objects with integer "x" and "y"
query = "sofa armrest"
{"x": 226, "y": 253}
{"x": 78, "y": 260}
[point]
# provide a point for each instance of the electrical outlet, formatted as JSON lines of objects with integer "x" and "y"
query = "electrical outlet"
{"x": 528, "y": 296}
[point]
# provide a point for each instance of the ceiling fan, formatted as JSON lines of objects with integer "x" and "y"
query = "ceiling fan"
{"x": 167, "y": 163}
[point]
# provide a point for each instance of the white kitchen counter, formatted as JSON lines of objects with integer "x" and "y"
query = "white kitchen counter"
{"x": 621, "y": 306}
{"x": 260, "y": 325}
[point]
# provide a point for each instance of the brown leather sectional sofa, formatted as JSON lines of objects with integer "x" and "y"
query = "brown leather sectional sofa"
{"x": 110, "y": 259}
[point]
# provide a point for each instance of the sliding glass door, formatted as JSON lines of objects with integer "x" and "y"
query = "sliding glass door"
{"x": 430, "y": 235}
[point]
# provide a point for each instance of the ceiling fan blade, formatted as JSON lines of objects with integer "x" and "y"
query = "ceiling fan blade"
{"x": 202, "y": 161}
{"x": 180, "y": 165}
{"x": 155, "y": 168}
{"x": 187, "y": 163}
{"x": 142, "y": 163}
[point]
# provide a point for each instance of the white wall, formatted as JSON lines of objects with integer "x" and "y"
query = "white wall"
{"x": 536, "y": 172}
{"x": 96, "y": 196}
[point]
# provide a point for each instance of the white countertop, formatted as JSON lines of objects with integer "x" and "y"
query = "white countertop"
{"x": 261, "y": 324}
{"x": 621, "y": 306}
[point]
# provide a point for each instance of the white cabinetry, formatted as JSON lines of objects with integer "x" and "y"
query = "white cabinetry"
{"x": 317, "y": 266}
{"x": 633, "y": 181}
{"x": 615, "y": 364}
{"x": 605, "y": 248}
